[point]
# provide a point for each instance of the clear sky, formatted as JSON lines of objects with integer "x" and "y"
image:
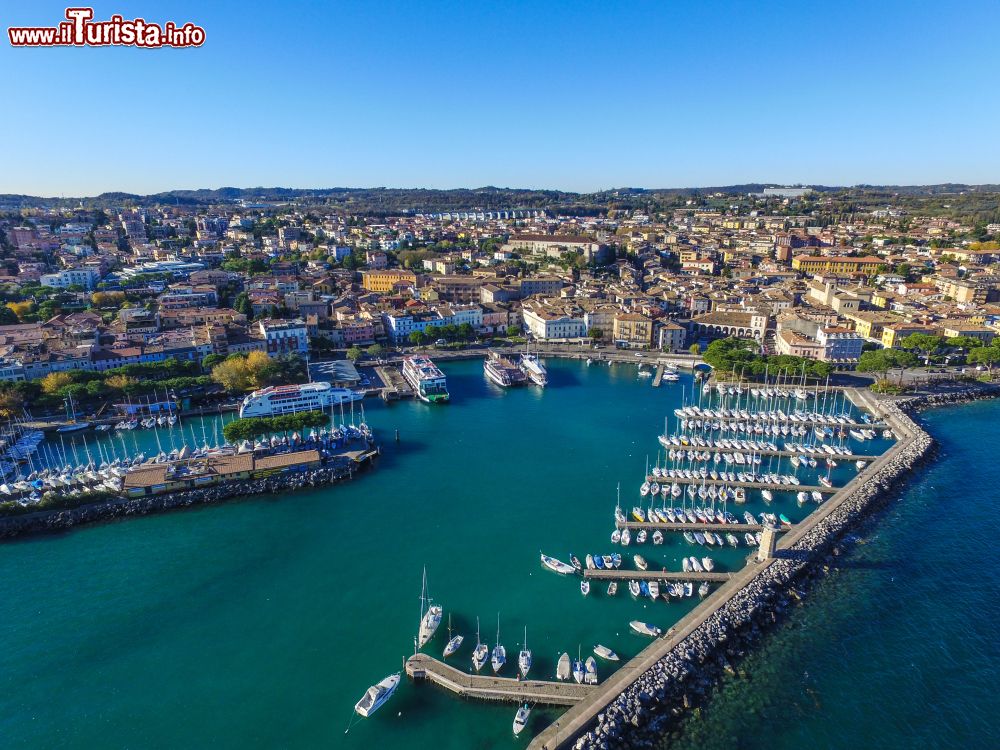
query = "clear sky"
{"x": 574, "y": 95}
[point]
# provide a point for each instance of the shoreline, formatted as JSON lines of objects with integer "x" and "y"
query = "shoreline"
{"x": 676, "y": 672}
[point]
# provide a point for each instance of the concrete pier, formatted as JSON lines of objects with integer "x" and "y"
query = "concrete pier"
{"x": 493, "y": 688}
{"x": 735, "y": 528}
{"x": 561, "y": 734}
{"x": 658, "y": 377}
{"x": 621, "y": 574}
{"x": 747, "y": 485}
{"x": 820, "y": 457}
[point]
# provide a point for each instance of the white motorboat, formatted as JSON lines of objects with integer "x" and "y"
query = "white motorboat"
{"x": 584, "y": 587}
{"x": 557, "y": 565}
{"x": 590, "y": 671}
{"x": 521, "y": 719}
{"x": 605, "y": 653}
{"x": 640, "y": 562}
{"x": 563, "y": 667}
{"x": 376, "y": 696}
{"x": 644, "y": 628}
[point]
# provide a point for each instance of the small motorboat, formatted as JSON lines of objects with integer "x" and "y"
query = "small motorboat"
{"x": 605, "y": 653}
{"x": 521, "y": 719}
{"x": 640, "y": 562}
{"x": 644, "y": 628}
{"x": 590, "y": 671}
{"x": 557, "y": 565}
{"x": 584, "y": 587}
{"x": 633, "y": 588}
{"x": 613, "y": 588}
{"x": 562, "y": 667}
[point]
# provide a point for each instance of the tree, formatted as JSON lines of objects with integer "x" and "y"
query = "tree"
{"x": 417, "y": 338}
{"x": 513, "y": 330}
{"x": 595, "y": 333}
{"x": 354, "y": 353}
{"x": 924, "y": 343}
{"x": 211, "y": 360}
{"x": 986, "y": 356}
{"x": 466, "y": 332}
{"x": 695, "y": 349}
{"x": 107, "y": 299}
{"x": 20, "y": 309}
{"x": 233, "y": 375}
{"x": 54, "y": 382}
{"x": 883, "y": 360}
{"x": 7, "y": 316}
{"x": 376, "y": 350}
{"x": 963, "y": 342}
{"x": 120, "y": 382}
{"x": 11, "y": 403}
{"x": 243, "y": 305}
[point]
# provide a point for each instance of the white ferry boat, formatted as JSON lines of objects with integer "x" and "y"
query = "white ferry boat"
{"x": 288, "y": 399}
{"x": 426, "y": 379}
{"x": 502, "y": 371}
{"x": 533, "y": 368}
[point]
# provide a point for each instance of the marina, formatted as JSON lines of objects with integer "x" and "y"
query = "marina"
{"x": 535, "y": 597}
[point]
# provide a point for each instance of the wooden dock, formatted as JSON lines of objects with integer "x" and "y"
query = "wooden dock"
{"x": 492, "y": 688}
{"x": 735, "y": 528}
{"x": 747, "y": 485}
{"x": 620, "y": 574}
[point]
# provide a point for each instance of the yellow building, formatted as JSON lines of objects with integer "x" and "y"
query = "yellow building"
{"x": 894, "y": 333}
{"x": 836, "y": 264}
{"x": 869, "y": 324}
{"x": 633, "y": 329}
{"x": 385, "y": 279}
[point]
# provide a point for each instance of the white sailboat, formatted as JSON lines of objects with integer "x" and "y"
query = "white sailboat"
{"x": 430, "y": 619}
{"x": 499, "y": 656}
{"x": 481, "y": 652}
{"x": 524, "y": 658}
{"x": 454, "y": 642}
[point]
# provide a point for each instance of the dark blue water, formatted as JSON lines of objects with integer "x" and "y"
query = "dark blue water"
{"x": 900, "y": 647}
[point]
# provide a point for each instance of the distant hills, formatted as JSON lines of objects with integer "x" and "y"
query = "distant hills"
{"x": 384, "y": 200}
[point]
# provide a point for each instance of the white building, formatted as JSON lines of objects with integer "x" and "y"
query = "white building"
{"x": 85, "y": 277}
{"x": 285, "y": 336}
{"x": 547, "y": 323}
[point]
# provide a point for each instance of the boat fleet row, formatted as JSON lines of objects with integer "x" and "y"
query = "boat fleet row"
{"x": 651, "y": 589}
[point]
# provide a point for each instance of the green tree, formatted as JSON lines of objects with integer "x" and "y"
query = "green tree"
{"x": 986, "y": 356}
{"x": 354, "y": 353}
{"x": 418, "y": 338}
{"x": 595, "y": 333}
{"x": 513, "y": 330}
{"x": 924, "y": 343}
{"x": 211, "y": 360}
{"x": 695, "y": 349}
{"x": 376, "y": 350}
{"x": 243, "y": 305}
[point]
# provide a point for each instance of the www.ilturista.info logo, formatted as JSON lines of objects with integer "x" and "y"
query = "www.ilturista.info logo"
{"x": 80, "y": 30}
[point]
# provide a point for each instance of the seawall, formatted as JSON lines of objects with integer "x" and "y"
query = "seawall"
{"x": 639, "y": 701}
{"x": 62, "y": 520}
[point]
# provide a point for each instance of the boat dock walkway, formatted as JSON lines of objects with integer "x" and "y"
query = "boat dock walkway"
{"x": 658, "y": 378}
{"x": 741, "y": 528}
{"x": 776, "y": 420}
{"x": 747, "y": 485}
{"x": 491, "y": 688}
{"x": 396, "y": 386}
{"x": 782, "y": 453}
{"x": 620, "y": 574}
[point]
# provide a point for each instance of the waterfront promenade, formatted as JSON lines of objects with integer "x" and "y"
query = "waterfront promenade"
{"x": 575, "y": 721}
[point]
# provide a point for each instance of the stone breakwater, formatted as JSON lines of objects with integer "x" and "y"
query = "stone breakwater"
{"x": 61, "y": 520}
{"x": 639, "y": 716}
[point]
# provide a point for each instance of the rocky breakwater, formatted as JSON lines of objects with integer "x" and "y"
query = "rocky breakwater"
{"x": 639, "y": 716}
{"x": 60, "y": 520}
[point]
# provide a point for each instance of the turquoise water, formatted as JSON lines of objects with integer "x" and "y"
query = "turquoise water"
{"x": 899, "y": 647}
{"x": 260, "y": 623}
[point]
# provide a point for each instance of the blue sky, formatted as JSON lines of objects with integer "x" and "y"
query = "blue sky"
{"x": 575, "y": 95}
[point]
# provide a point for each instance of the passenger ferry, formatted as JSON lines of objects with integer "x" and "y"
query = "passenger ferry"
{"x": 426, "y": 379}
{"x": 288, "y": 399}
{"x": 502, "y": 371}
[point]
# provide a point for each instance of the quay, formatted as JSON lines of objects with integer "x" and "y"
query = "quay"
{"x": 747, "y": 485}
{"x": 395, "y": 385}
{"x": 742, "y": 528}
{"x": 766, "y": 452}
{"x": 574, "y": 722}
{"x": 492, "y": 688}
{"x": 655, "y": 575}
{"x": 658, "y": 378}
